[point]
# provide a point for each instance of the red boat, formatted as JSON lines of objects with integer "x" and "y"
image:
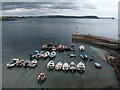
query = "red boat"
{"x": 41, "y": 77}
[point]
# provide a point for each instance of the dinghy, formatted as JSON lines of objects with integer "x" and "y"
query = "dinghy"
{"x": 72, "y": 47}
{"x": 41, "y": 77}
{"x": 20, "y": 63}
{"x": 80, "y": 67}
{"x": 26, "y": 63}
{"x": 98, "y": 65}
{"x": 91, "y": 58}
{"x": 33, "y": 63}
{"x": 45, "y": 55}
{"x": 44, "y": 47}
{"x": 52, "y": 55}
{"x": 83, "y": 56}
{"x": 13, "y": 62}
{"x": 58, "y": 66}
{"x": 65, "y": 67}
{"x": 72, "y": 67}
{"x": 35, "y": 54}
{"x": 81, "y": 48}
{"x": 72, "y": 55}
{"x": 50, "y": 65}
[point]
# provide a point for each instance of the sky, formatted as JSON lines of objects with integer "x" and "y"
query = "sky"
{"x": 101, "y": 8}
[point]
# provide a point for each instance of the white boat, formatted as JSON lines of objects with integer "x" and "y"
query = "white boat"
{"x": 26, "y": 63}
{"x": 72, "y": 66}
{"x": 58, "y": 66}
{"x": 81, "y": 48}
{"x": 83, "y": 56}
{"x": 52, "y": 55}
{"x": 41, "y": 77}
{"x": 50, "y": 65}
{"x": 65, "y": 67}
{"x": 13, "y": 62}
{"x": 45, "y": 55}
{"x": 80, "y": 67}
{"x": 33, "y": 63}
{"x": 72, "y": 55}
{"x": 98, "y": 65}
{"x": 20, "y": 63}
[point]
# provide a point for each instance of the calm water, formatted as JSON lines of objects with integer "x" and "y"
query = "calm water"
{"x": 23, "y": 36}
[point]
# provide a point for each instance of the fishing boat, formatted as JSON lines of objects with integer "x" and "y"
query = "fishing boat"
{"x": 33, "y": 63}
{"x": 98, "y": 65}
{"x": 80, "y": 67}
{"x": 52, "y": 55}
{"x": 65, "y": 67}
{"x": 41, "y": 77}
{"x": 20, "y": 63}
{"x": 50, "y": 65}
{"x": 26, "y": 63}
{"x": 91, "y": 59}
{"x": 83, "y": 56}
{"x": 72, "y": 55}
{"x": 13, "y": 62}
{"x": 72, "y": 67}
{"x": 72, "y": 47}
{"x": 58, "y": 66}
{"x": 81, "y": 48}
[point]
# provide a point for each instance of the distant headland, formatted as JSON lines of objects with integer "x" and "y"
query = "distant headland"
{"x": 12, "y": 18}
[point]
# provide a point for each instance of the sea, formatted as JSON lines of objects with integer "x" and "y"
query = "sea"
{"x": 22, "y": 36}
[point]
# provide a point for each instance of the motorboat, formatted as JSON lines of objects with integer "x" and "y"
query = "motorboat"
{"x": 83, "y": 56}
{"x": 80, "y": 67}
{"x": 26, "y": 63}
{"x": 52, "y": 55}
{"x": 72, "y": 55}
{"x": 13, "y": 62}
{"x": 65, "y": 67}
{"x": 33, "y": 63}
{"x": 50, "y": 65}
{"x": 58, "y": 66}
{"x": 98, "y": 65}
{"x": 72, "y": 47}
{"x": 41, "y": 77}
{"x": 20, "y": 63}
{"x": 91, "y": 59}
{"x": 72, "y": 67}
{"x": 81, "y": 48}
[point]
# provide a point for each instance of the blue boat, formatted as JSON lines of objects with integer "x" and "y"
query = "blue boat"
{"x": 98, "y": 65}
{"x": 83, "y": 56}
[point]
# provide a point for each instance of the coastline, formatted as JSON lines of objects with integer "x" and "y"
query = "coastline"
{"x": 111, "y": 47}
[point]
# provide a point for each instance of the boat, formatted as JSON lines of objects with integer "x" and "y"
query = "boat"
{"x": 41, "y": 77}
{"x": 67, "y": 48}
{"x": 80, "y": 67}
{"x": 50, "y": 65}
{"x": 61, "y": 47}
{"x": 91, "y": 58}
{"x": 65, "y": 67}
{"x": 98, "y": 65}
{"x": 81, "y": 48}
{"x": 26, "y": 63}
{"x": 33, "y": 63}
{"x": 13, "y": 62}
{"x": 44, "y": 47}
{"x": 72, "y": 67}
{"x": 58, "y": 66}
{"x": 35, "y": 54}
{"x": 83, "y": 56}
{"x": 72, "y": 47}
{"x": 52, "y": 55}
{"x": 20, "y": 63}
{"x": 72, "y": 55}
{"x": 45, "y": 55}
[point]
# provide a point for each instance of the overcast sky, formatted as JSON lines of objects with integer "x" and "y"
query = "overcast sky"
{"x": 62, "y": 7}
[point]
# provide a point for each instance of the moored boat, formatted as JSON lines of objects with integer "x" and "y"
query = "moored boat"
{"x": 50, "y": 65}
{"x": 72, "y": 47}
{"x": 33, "y": 63}
{"x": 72, "y": 55}
{"x": 58, "y": 66}
{"x": 81, "y": 48}
{"x": 91, "y": 58}
{"x": 80, "y": 67}
{"x": 98, "y": 65}
{"x": 72, "y": 67}
{"x": 65, "y": 67}
{"x": 20, "y": 63}
{"x": 41, "y": 77}
{"x": 13, "y": 62}
{"x": 83, "y": 56}
{"x": 26, "y": 63}
{"x": 52, "y": 55}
